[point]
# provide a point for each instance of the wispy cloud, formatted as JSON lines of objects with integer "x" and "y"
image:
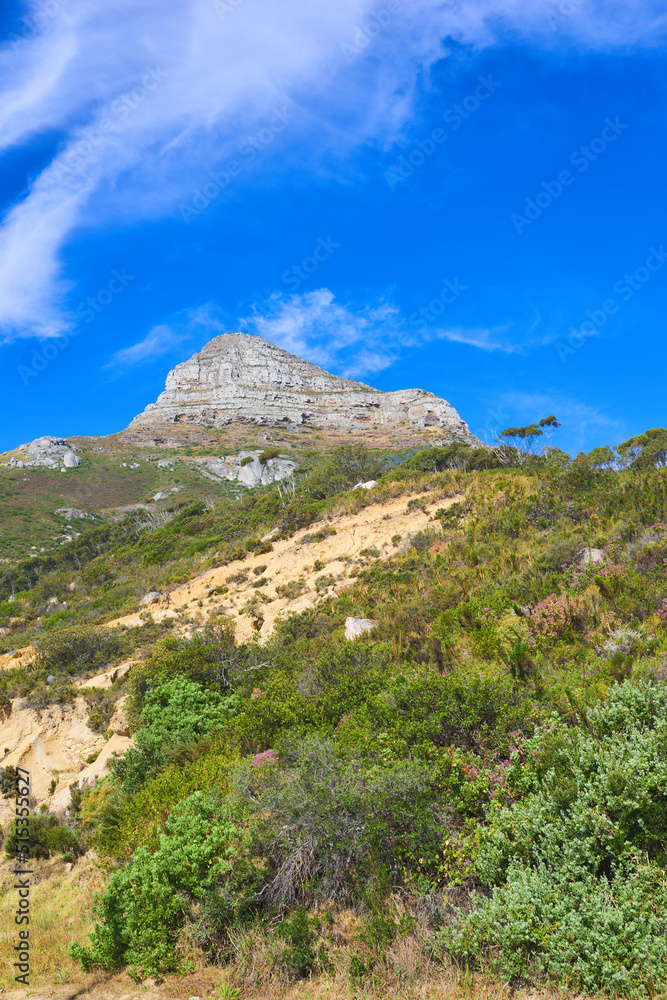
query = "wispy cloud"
{"x": 158, "y": 341}
{"x": 353, "y": 341}
{"x": 146, "y": 113}
{"x": 484, "y": 340}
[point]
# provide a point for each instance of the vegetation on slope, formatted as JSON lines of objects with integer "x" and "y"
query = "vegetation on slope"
{"x": 482, "y": 775}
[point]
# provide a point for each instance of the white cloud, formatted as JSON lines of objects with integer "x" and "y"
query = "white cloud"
{"x": 150, "y": 97}
{"x": 158, "y": 341}
{"x": 355, "y": 342}
{"x": 484, "y": 340}
{"x": 315, "y": 327}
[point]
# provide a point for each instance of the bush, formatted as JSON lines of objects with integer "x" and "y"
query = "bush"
{"x": 301, "y": 956}
{"x": 333, "y": 820}
{"x": 145, "y": 905}
{"x": 101, "y": 704}
{"x": 81, "y": 648}
{"x": 46, "y": 837}
{"x": 210, "y": 657}
{"x": 348, "y": 465}
{"x": 576, "y": 865}
{"x": 177, "y": 712}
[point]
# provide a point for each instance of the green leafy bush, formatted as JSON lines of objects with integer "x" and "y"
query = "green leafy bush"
{"x": 46, "y": 836}
{"x": 145, "y": 905}
{"x": 347, "y": 465}
{"x": 576, "y": 865}
{"x": 179, "y": 711}
{"x": 333, "y": 820}
{"x": 81, "y": 648}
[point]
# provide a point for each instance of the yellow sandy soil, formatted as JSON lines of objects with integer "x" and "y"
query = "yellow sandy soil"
{"x": 56, "y": 743}
{"x": 292, "y": 560}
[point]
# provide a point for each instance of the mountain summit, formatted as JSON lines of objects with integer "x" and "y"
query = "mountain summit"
{"x": 242, "y": 378}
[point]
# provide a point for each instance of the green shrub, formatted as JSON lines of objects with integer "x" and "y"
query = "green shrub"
{"x": 268, "y": 455}
{"x": 179, "y": 711}
{"x": 331, "y": 821}
{"x": 290, "y": 591}
{"x": 209, "y": 656}
{"x": 146, "y": 904}
{"x": 301, "y": 957}
{"x": 101, "y": 704}
{"x": 347, "y": 465}
{"x": 576, "y": 865}
{"x": 81, "y": 648}
{"x": 46, "y": 836}
{"x": 61, "y": 691}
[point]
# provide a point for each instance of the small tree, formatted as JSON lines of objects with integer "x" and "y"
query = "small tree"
{"x": 549, "y": 425}
{"x": 601, "y": 458}
{"x": 517, "y": 445}
{"x": 522, "y": 439}
{"x": 647, "y": 450}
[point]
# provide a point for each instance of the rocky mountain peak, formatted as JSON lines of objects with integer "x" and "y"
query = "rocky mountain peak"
{"x": 242, "y": 378}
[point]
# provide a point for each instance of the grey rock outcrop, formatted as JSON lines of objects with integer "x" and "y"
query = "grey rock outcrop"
{"x": 152, "y": 597}
{"x": 242, "y": 378}
{"x": 47, "y": 453}
{"x": 245, "y": 468}
{"x": 354, "y": 627}
{"x": 74, "y": 514}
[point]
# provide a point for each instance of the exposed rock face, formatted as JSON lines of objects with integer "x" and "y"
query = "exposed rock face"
{"x": 246, "y": 468}
{"x": 354, "y": 627}
{"x": 238, "y": 377}
{"x": 47, "y": 453}
{"x": 74, "y": 514}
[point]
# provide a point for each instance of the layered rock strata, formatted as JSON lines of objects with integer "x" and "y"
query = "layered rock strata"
{"x": 241, "y": 378}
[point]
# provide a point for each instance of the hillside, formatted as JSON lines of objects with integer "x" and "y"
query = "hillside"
{"x": 383, "y": 809}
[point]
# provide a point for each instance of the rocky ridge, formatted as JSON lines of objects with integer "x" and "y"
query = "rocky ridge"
{"x": 242, "y": 378}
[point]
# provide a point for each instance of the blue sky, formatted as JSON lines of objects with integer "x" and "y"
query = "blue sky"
{"x": 467, "y": 197}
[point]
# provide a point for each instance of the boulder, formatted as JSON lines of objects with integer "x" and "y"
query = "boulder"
{"x": 74, "y": 514}
{"x": 49, "y": 453}
{"x": 245, "y": 468}
{"x": 271, "y": 534}
{"x": 591, "y": 556}
{"x": 370, "y": 485}
{"x": 119, "y": 724}
{"x": 354, "y": 627}
{"x": 151, "y": 598}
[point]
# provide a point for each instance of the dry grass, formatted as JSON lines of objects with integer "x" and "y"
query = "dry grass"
{"x": 60, "y": 914}
{"x": 60, "y": 902}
